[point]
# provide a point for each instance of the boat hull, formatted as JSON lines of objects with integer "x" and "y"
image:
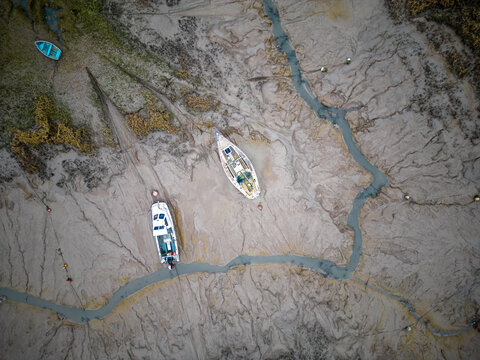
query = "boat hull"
{"x": 237, "y": 167}
{"x": 164, "y": 233}
{"x": 48, "y": 49}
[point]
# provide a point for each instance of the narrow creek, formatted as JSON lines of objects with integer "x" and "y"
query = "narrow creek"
{"x": 323, "y": 267}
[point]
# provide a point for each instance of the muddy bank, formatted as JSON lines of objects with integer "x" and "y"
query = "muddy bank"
{"x": 395, "y": 83}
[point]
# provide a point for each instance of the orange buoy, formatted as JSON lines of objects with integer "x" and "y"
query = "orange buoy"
{"x": 154, "y": 193}
{"x": 49, "y": 210}
{"x": 260, "y": 207}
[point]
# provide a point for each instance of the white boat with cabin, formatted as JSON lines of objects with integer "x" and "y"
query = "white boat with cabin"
{"x": 237, "y": 166}
{"x": 164, "y": 234}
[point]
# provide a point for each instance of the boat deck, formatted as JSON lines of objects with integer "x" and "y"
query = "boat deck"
{"x": 240, "y": 171}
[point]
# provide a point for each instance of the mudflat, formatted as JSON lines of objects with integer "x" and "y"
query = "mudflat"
{"x": 148, "y": 91}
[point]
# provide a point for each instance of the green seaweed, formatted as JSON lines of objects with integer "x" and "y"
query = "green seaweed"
{"x": 77, "y": 18}
{"x": 53, "y": 127}
{"x": 461, "y": 15}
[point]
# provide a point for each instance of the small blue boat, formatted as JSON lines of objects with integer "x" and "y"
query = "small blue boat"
{"x": 48, "y": 49}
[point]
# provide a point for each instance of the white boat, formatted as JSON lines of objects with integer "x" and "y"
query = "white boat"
{"x": 164, "y": 234}
{"x": 237, "y": 166}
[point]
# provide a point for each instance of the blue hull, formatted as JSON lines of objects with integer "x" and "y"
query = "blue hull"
{"x": 48, "y": 49}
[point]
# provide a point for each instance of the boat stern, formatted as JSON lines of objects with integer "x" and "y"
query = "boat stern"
{"x": 58, "y": 53}
{"x": 254, "y": 195}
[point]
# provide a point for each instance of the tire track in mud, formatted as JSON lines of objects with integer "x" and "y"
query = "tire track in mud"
{"x": 134, "y": 154}
{"x": 183, "y": 118}
{"x": 117, "y": 120}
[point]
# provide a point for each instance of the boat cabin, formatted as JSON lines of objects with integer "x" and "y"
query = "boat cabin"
{"x": 164, "y": 233}
{"x": 237, "y": 166}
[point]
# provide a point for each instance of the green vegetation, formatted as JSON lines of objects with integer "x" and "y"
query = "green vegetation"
{"x": 21, "y": 75}
{"x": 415, "y": 7}
{"x": 77, "y": 18}
{"x": 183, "y": 74}
{"x": 54, "y": 127}
{"x": 107, "y": 136}
{"x": 158, "y": 119}
{"x": 201, "y": 104}
{"x": 458, "y": 64}
{"x": 462, "y": 15}
{"x": 84, "y": 26}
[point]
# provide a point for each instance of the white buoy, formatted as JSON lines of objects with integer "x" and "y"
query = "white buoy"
{"x": 154, "y": 193}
